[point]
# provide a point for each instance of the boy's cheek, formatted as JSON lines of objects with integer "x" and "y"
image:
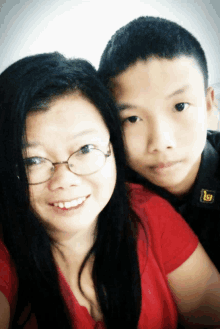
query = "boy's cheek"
{"x": 134, "y": 138}
{"x": 134, "y": 148}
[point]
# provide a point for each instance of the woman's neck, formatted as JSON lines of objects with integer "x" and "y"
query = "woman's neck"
{"x": 69, "y": 251}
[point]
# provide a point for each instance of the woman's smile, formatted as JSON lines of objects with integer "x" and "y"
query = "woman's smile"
{"x": 69, "y": 208}
{"x": 68, "y": 204}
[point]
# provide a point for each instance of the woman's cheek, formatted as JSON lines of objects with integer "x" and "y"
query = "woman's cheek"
{"x": 36, "y": 196}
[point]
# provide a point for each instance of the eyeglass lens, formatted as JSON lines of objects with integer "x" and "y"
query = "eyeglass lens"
{"x": 81, "y": 163}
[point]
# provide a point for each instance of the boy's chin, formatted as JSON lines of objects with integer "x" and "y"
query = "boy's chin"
{"x": 176, "y": 187}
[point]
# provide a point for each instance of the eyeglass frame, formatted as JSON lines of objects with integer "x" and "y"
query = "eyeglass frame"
{"x": 108, "y": 154}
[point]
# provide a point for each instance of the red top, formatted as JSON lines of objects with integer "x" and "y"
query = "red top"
{"x": 170, "y": 243}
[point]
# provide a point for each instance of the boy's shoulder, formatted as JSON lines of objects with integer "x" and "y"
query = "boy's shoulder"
{"x": 206, "y": 192}
{"x": 213, "y": 137}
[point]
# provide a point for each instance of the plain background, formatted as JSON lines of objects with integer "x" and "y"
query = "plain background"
{"x": 82, "y": 28}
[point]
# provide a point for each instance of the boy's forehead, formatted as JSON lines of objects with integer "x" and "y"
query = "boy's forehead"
{"x": 158, "y": 75}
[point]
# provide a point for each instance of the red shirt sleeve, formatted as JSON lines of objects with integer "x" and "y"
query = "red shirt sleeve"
{"x": 8, "y": 276}
{"x": 172, "y": 239}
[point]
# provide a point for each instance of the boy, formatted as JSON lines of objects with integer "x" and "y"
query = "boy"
{"x": 157, "y": 73}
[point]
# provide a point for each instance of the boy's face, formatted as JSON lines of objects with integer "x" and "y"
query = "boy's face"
{"x": 164, "y": 115}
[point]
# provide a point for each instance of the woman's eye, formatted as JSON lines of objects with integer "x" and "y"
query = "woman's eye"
{"x": 33, "y": 161}
{"x": 86, "y": 149}
{"x": 181, "y": 106}
{"x": 132, "y": 119}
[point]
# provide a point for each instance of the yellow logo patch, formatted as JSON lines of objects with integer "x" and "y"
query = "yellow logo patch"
{"x": 207, "y": 196}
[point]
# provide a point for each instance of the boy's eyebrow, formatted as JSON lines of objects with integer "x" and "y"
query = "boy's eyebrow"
{"x": 179, "y": 91}
{"x": 82, "y": 133}
{"x": 125, "y": 106}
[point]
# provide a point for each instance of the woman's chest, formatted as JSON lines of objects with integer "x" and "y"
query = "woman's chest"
{"x": 87, "y": 298}
{"x": 83, "y": 295}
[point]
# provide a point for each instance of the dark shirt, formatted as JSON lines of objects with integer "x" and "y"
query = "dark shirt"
{"x": 201, "y": 207}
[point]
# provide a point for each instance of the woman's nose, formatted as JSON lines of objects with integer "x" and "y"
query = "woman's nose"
{"x": 63, "y": 177}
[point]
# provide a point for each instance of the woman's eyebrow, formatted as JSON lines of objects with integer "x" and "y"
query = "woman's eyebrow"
{"x": 26, "y": 144}
{"x": 85, "y": 132}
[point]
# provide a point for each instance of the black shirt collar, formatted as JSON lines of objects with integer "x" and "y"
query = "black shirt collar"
{"x": 206, "y": 191}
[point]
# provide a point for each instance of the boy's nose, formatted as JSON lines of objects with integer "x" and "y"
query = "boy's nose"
{"x": 63, "y": 177}
{"x": 161, "y": 137}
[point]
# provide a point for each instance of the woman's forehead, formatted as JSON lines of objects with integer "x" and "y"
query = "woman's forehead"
{"x": 69, "y": 117}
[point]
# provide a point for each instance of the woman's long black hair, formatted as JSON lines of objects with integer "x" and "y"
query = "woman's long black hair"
{"x": 27, "y": 85}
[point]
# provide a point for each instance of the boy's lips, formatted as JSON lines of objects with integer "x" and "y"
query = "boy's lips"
{"x": 162, "y": 165}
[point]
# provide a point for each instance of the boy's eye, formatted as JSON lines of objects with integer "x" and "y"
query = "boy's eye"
{"x": 181, "y": 106}
{"x": 132, "y": 119}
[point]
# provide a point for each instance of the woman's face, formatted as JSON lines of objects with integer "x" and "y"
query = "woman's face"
{"x": 69, "y": 203}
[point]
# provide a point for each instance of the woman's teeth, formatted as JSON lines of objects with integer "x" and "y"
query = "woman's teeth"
{"x": 70, "y": 204}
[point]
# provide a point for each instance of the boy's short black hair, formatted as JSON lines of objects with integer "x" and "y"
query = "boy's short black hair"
{"x": 147, "y": 37}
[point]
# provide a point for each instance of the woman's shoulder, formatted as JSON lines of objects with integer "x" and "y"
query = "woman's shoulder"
{"x": 5, "y": 257}
{"x": 135, "y": 190}
{"x": 167, "y": 230}
{"x": 154, "y": 212}
{"x": 154, "y": 208}
{"x": 141, "y": 196}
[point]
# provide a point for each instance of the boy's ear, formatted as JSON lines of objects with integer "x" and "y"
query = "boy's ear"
{"x": 211, "y": 104}
{"x": 210, "y": 100}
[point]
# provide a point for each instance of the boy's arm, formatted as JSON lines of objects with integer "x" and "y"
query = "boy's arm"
{"x": 196, "y": 289}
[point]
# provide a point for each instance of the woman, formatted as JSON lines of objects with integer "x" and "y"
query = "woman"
{"x": 73, "y": 254}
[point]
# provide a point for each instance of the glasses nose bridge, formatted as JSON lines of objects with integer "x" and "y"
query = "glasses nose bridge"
{"x": 61, "y": 162}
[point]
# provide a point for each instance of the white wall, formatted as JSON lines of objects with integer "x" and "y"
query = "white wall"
{"x": 80, "y": 28}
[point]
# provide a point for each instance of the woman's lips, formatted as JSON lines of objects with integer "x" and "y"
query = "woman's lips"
{"x": 69, "y": 205}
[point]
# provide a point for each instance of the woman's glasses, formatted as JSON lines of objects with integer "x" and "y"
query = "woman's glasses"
{"x": 87, "y": 160}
